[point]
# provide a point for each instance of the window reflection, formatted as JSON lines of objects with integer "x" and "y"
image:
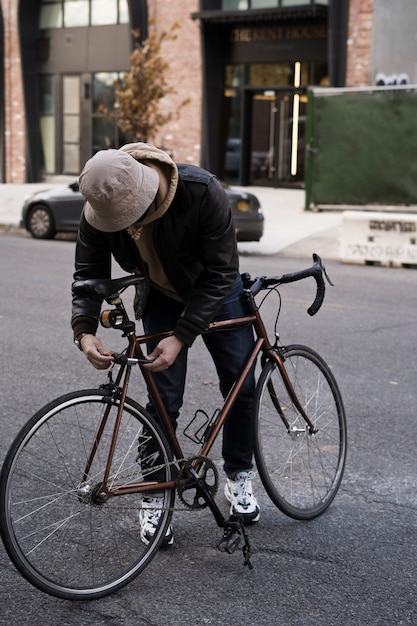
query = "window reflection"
{"x": 264, "y": 4}
{"x": 71, "y": 124}
{"x": 76, "y": 13}
{"x": 106, "y": 133}
{"x": 47, "y": 122}
{"x": 71, "y": 157}
{"x": 235, "y": 5}
{"x": 51, "y": 15}
{"x": 123, "y": 12}
{"x": 71, "y": 95}
{"x": 103, "y": 90}
{"x": 103, "y": 12}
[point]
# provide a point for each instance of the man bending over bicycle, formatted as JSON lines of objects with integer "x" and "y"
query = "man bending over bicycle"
{"x": 173, "y": 224}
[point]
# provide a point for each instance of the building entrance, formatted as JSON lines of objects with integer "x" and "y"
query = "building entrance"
{"x": 264, "y": 118}
{"x": 270, "y": 149}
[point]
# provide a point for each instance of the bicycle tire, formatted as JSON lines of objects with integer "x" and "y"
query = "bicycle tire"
{"x": 56, "y": 536}
{"x": 301, "y": 472}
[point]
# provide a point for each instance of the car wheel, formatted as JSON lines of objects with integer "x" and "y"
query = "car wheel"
{"x": 40, "y": 222}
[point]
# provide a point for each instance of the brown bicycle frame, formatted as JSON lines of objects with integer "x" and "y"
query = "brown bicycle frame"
{"x": 134, "y": 350}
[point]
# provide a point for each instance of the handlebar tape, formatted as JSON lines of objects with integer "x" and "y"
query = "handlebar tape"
{"x": 316, "y": 271}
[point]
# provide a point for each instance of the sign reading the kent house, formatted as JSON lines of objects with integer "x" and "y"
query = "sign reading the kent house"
{"x": 278, "y": 43}
{"x": 279, "y": 33}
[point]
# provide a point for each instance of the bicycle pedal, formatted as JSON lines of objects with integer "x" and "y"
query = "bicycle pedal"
{"x": 230, "y": 541}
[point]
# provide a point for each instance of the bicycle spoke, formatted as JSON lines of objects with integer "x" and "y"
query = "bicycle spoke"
{"x": 59, "y": 535}
{"x": 301, "y": 470}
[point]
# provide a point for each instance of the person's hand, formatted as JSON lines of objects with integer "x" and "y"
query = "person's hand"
{"x": 95, "y": 353}
{"x": 164, "y": 354}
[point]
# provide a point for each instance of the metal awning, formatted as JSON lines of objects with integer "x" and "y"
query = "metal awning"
{"x": 263, "y": 15}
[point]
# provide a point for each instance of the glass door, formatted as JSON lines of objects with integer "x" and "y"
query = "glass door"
{"x": 276, "y": 129}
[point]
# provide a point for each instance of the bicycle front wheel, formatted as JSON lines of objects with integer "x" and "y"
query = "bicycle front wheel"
{"x": 57, "y": 533}
{"x": 300, "y": 470}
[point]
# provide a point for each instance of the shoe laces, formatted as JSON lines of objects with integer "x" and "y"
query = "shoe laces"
{"x": 152, "y": 508}
{"x": 243, "y": 485}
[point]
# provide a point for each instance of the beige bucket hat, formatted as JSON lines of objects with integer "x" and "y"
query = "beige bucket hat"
{"x": 118, "y": 190}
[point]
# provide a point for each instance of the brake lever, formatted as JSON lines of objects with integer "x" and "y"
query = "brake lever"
{"x": 318, "y": 261}
{"x": 327, "y": 277}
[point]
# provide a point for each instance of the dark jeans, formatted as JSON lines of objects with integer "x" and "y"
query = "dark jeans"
{"x": 229, "y": 350}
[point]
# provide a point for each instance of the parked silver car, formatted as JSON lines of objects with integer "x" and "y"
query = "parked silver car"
{"x": 51, "y": 211}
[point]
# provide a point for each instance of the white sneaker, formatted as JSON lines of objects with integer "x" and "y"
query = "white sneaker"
{"x": 240, "y": 495}
{"x": 149, "y": 517}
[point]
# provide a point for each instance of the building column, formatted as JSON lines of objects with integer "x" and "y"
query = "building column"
{"x": 359, "y": 43}
{"x": 14, "y": 109}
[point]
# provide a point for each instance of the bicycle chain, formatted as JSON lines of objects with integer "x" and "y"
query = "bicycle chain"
{"x": 155, "y": 468}
{"x": 227, "y": 543}
{"x": 192, "y": 485}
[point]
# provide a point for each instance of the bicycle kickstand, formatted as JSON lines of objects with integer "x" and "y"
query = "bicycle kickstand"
{"x": 234, "y": 530}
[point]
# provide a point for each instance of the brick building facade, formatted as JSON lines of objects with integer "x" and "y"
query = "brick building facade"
{"x": 181, "y": 137}
{"x": 14, "y": 138}
{"x": 359, "y": 43}
{"x": 187, "y": 59}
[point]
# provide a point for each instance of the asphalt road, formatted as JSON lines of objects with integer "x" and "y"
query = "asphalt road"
{"x": 354, "y": 565}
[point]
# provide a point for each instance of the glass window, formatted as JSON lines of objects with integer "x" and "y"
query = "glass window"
{"x": 71, "y": 128}
{"x": 71, "y": 124}
{"x": 76, "y": 13}
{"x": 292, "y": 3}
{"x": 103, "y": 90}
{"x": 71, "y": 158}
{"x": 233, "y": 81}
{"x": 279, "y": 74}
{"x": 264, "y": 4}
{"x": 103, "y": 12}
{"x": 47, "y": 123}
{"x": 235, "y": 5}
{"x": 123, "y": 12}
{"x": 71, "y": 95}
{"x": 265, "y": 75}
{"x": 103, "y": 134}
{"x": 70, "y": 13}
{"x": 106, "y": 133}
{"x": 51, "y": 15}
{"x": 46, "y": 95}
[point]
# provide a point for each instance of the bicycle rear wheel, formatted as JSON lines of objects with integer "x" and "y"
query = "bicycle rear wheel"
{"x": 56, "y": 533}
{"x": 301, "y": 471}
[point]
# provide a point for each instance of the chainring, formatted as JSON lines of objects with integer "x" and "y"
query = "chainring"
{"x": 196, "y": 474}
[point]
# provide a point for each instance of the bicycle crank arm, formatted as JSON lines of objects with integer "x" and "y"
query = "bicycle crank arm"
{"x": 201, "y": 485}
{"x": 234, "y": 530}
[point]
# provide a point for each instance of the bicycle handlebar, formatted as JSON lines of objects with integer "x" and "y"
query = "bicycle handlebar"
{"x": 316, "y": 271}
{"x": 122, "y": 359}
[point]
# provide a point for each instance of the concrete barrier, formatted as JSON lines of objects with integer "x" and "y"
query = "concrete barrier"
{"x": 380, "y": 238}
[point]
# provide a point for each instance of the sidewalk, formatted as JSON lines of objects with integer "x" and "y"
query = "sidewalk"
{"x": 289, "y": 229}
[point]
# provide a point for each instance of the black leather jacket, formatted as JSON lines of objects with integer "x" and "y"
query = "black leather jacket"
{"x": 195, "y": 242}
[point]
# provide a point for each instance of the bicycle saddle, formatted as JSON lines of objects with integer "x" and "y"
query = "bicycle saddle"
{"x": 104, "y": 287}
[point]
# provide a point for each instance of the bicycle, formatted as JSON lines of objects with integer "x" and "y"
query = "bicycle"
{"x": 73, "y": 480}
